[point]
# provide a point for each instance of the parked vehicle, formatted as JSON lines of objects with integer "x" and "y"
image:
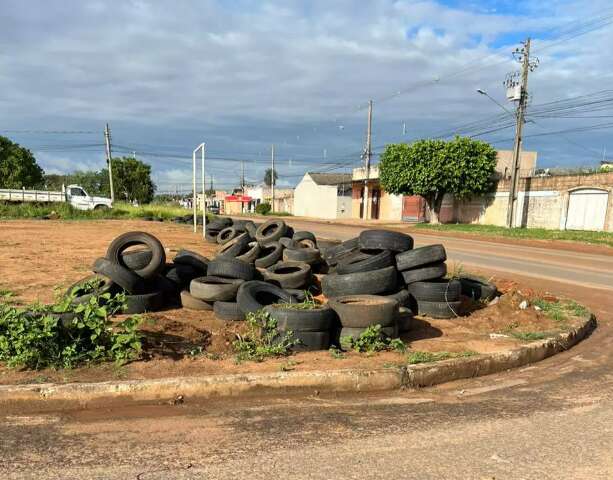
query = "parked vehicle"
{"x": 73, "y": 194}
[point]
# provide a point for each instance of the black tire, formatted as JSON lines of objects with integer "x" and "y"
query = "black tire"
{"x": 361, "y": 311}
{"x": 405, "y": 319}
{"x": 231, "y": 268}
{"x": 125, "y": 278}
{"x": 136, "y": 260}
{"x": 304, "y": 235}
{"x": 288, "y": 274}
{"x": 188, "y": 257}
{"x": 365, "y": 261}
{"x": 181, "y": 275}
{"x": 306, "y": 243}
{"x": 289, "y": 232}
{"x": 255, "y": 295}
{"x": 228, "y": 311}
{"x": 187, "y": 301}
{"x": 213, "y": 289}
{"x": 477, "y": 289}
{"x": 361, "y": 283}
{"x": 211, "y": 235}
{"x": 235, "y": 247}
{"x": 438, "y": 309}
{"x": 288, "y": 243}
{"x": 100, "y": 283}
{"x": 251, "y": 228}
{"x": 315, "y": 320}
{"x": 306, "y": 255}
{"x": 269, "y": 255}
{"x": 146, "y": 302}
{"x": 270, "y": 231}
{"x": 251, "y": 254}
{"x": 439, "y": 290}
{"x": 335, "y": 254}
{"x": 298, "y": 293}
{"x": 219, "y": 223}
{"x": 401, "y": 296}
{"x": 227, "y": 234}
{"x": 310, "y": 341}
{"x": 420, "y": 256}
{"x": 426, "y": 272}
{"x": 241, "y": 225}
{"x": 354, "y": 333}
{"x": 385, "y": 240}
{"x": 129, "y": 239}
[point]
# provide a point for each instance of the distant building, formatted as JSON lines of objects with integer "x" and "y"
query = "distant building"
{"x": 323, "y": 195}
{"x": 284, "y": 198}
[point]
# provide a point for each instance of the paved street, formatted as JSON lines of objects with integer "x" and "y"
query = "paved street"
{"x": 551, "y": 420}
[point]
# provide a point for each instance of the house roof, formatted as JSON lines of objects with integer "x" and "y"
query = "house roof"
{"x": 330, "y": 178}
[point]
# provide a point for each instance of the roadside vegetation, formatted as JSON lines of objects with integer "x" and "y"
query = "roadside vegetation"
{"x": 372, "y": 340}
{"x": 428, "y": 357}
{"x": 67, "y": 335}
{"x": 262, "y": 340}
{"x": 64, "y": 211}
{"x": 585, "y": 236}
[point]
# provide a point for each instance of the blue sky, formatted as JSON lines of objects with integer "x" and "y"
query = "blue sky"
{"x": 242, "y": 75}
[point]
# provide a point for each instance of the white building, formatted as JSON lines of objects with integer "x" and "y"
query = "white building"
{"x": 323, "y": 195}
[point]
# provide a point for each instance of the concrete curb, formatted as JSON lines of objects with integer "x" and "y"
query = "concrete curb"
{"x": 57, "y": 396}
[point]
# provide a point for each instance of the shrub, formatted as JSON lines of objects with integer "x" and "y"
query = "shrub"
{"x": 262, "y": 339}
{"x": 372, "y": 340}
{"x": 263, "y": 208}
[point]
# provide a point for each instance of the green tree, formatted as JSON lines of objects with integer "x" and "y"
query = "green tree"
{"x": 94, "y": 182}
{"x": 268, "y": 176}
{"x": 18, "y": 167}
{"x": 132, "y": 180}
{"x": 431, "y": 168}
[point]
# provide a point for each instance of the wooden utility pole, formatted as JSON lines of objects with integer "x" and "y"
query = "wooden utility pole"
{"x": 242, "y": 185}
{"x": 107, "y": 141}
{"x": 272, "y": 178}
{"x": 367, "y": 156}
{"x": 520, "y": 112}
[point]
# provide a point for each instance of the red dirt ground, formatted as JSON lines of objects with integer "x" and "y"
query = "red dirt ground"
{"x": 38, "y": 256}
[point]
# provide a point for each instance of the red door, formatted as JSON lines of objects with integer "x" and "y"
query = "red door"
{"x": 413, "y": 209}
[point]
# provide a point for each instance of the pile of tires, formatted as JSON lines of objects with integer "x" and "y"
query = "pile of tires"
{"x": 142, "y": 274}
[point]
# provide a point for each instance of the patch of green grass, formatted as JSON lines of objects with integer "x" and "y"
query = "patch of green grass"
{"x": 529, "y": 336}
{"x": 576, "y": 309}
{"x": 309, "y": 303}
{"x": 598, "y": 238}
{"x": 554, "y": 310}
{"x": 12, "y": 211}
{"x": 372, "y": 340}
{"x": 336, "y": 353}
{"x": 428, "y": 357}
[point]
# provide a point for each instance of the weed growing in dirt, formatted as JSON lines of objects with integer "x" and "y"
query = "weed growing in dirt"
{"x": 427, "y": 357}
{"x": 336, "y": 353}
{"x": 554, "y": 310}
{"x": 64, "y": 335}
{"x": 529, "y": 336}
{"x": 288, "y": 366}
{"x": 309, "y": 303}
{"x": 576, "y": 309}
{"x": 372, "y": 340}
{"x": 262, "y": 340}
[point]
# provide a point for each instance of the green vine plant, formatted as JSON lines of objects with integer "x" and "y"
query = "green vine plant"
{"x": 372, "y": 340}
{"x": 262, "y": 339}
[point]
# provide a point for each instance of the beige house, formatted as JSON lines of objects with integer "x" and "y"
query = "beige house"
{"x": 323, "y": 195}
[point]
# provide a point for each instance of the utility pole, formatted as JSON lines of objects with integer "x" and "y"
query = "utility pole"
{"x": 107, "y": 141}
{"x": 367, "y": 155}
{"x": 527, "y": 65}
{"x": 272, "y": 177}
{"x": 242, "y": 185}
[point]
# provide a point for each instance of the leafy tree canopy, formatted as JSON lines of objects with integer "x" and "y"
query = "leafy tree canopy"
{"x": 132, "y": 180}
{"x": 431, "y": 168}
{"x": 268, "y": 176}
{"x": 18, "y": 167}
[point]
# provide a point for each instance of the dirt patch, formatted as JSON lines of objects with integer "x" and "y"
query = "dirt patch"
{"x": 38, "y": 256}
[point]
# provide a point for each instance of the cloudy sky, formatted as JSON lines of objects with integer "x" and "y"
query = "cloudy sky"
{"x": 242, "y": 75}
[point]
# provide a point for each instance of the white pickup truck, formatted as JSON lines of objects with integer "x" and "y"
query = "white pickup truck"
{"x": 73, "y": 194}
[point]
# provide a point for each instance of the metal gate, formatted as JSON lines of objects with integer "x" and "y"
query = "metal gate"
{"x": 413, "y": 209}
{"x": 587, "y": 209}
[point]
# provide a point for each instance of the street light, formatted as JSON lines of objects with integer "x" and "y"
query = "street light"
{"x": 201, "y": 147}
{"x": 483, "y": 92}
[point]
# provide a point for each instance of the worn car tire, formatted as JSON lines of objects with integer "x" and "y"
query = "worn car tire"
{"x": 288, "y": 243}
{"x": 136, "y": 260}
{"x": 310, "y": 341}
{"x": 420, "y": 256}
{"x": 122, "y": 276}
{"x": 228, "y": 311}
{"x": 234, "y": 247}
{"x": 213, "y": 289}
{"x": 306, "y": 255}
{"x": 211, "y": 235}
{"x": 188, "y": 257}
{"x": 439, "y": 290}
{"x": 354, "y": 333}
{"x": 251, "y": 253}
{"x": 405, "y": 319}
{"x": 255, "y": 295}
{"x": 106, "y": 285}
{"x": 438, "y": 309}
{"x": 227, "y": 234}
{"x": 385, "y": 240}
{"x": 477, "y": 289}
{"x": 365, "y": 261}
{"x": 270, "y": 231}
{"x": 251, "y": 228}
{"x": 119, "y": 245}
{"x": 401, "y": 296}
{"x": 335, "y": 254}
{"x": 315, "y": 320}
{"x": 361, "y": 311}
{"x": 269, "y": 255}
{"x": 288, "y": 274}
{"x": 362, "y": 283}
{"x": 188, "y": 301}
{"x": 145, "y": 302}
{"x": 304, "y": 235}
{"x": 181, "y": 274}
{"x": 231, "y": 268}
{"x": 426, "y": 272}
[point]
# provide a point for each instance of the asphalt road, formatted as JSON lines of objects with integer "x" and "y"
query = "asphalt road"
{"x": 551, "y": 420}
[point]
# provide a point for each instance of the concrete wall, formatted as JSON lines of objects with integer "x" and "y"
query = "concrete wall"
{"x": 312, "y": 200}
{"x": 344, "y": 207}
{"x": 541, "y": 202}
